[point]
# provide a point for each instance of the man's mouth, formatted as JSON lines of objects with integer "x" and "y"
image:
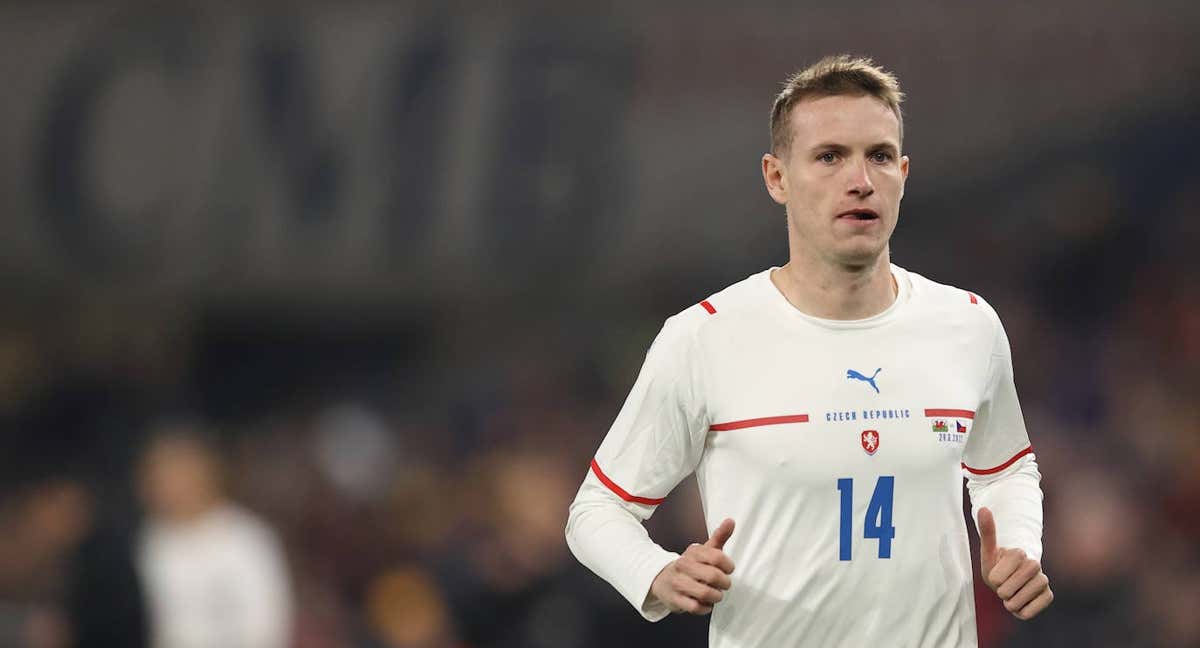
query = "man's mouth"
{"x": 859, "y": 214}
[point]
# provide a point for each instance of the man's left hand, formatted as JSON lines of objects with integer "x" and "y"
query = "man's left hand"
{"x": 1016, "y": 578}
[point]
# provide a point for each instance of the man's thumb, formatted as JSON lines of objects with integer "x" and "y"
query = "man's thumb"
{"x": 721, "y": 535}
{"x": 987, "y": 534}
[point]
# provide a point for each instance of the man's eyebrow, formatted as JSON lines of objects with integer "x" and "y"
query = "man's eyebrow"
{"x": 841, "y": 148}
{"x": 829, "y": 146}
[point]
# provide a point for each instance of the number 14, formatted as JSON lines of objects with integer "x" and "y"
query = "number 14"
{"x": 878, "y": 522}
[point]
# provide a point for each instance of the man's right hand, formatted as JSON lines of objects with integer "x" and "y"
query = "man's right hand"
{"x": 696, "y": 581}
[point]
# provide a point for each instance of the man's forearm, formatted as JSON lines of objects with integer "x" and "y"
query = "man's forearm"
{"x": 611, "y": 541}
{"x": 1015, "y": 499}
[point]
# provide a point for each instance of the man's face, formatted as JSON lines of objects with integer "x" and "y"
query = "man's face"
{"x": 178, "y": 479}
{"x": 842, "y": 179}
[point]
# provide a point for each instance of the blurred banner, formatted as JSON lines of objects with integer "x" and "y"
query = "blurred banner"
{"x": 331, "y": 146}
{"x": 408, "y": 149}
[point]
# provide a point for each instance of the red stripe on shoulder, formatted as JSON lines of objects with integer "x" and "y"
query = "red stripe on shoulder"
{"x": 621, "y": 492}
{"x": 954, "y": 413}
{"x": 708, "y": 307}
{"x": 1006, "y": 464}
{"x": 974, "y": 299}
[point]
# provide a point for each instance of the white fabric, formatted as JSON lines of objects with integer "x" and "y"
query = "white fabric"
{"x": 942, "y": 359}
{"x": 218, "y": 582}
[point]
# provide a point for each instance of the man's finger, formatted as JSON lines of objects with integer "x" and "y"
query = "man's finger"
{"x": 705, "y": 571}
{"x": 987, "y": 535}
{"x": 709, "y": 556}
{"x": 706, "y": 574}
{"x": 721, "y": 535}
{"x": 697, "y": 590}
{"x": 1010, "y": 560}
{"x": 689, "y": 595}
{"x": 1022, "y": 576}
{"x": 690, "y": 605}
{"x": 719, "y": 579}
{"x": 1036, "y": 605}
{"x": 1026, "y": 594}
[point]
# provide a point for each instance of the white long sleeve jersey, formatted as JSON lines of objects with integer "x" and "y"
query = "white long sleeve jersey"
{"x": 837, "y": 447}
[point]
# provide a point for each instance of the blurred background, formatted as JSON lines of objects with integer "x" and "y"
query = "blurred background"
{"x": 314, "y": 314}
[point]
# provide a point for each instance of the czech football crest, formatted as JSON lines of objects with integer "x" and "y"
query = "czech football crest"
{"x": 870, "y": 441}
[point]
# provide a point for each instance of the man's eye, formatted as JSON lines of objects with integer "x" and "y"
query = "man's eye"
{"x": 881, "y": 157}
{"x": 828, "y": 157}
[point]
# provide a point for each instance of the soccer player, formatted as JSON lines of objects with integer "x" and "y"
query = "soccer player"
{"x": 830, "y": 409}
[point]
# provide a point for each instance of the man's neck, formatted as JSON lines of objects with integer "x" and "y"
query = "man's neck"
{"x": 837, "y": 292}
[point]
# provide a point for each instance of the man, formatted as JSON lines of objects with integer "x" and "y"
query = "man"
{"x": 215, "y": 574}
{"x": 830, "y": 408}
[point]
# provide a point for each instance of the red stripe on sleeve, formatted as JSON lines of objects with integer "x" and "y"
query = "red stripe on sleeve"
{"x": 950, "y": 413}
{"x": 770, "y": 420}
{"x": 1006, "y": 464}
{"x": 974, "y": 299}
{"x": 708, "y": 307}
{"x": 621, "y": 492}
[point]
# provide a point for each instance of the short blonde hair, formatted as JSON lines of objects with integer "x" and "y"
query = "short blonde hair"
{"x": 833, "y": 76}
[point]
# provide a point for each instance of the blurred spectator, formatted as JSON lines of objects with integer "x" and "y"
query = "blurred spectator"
{"x": 214, "y": 572}
{"x": 406, "y": 610}
{"x": 76, "y": 567}
{"x": 103, "y": 600}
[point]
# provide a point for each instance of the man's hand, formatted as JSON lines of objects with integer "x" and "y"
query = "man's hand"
{"x": 1017, "y": 579}
{"x": 695, "y": 582}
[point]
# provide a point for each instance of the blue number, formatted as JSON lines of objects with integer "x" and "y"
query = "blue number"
{"x": 878, "y": 523}
{"x": 881, "y": 507}
{"x": 846, "y": 486}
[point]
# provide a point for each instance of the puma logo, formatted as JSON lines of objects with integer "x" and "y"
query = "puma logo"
{"x": 854, "y": 375}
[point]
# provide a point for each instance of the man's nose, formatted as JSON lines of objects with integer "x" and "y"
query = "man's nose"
{"x": 860, "y": 181}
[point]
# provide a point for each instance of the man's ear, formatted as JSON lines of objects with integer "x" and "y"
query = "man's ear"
{"x": 775, "y": 178}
